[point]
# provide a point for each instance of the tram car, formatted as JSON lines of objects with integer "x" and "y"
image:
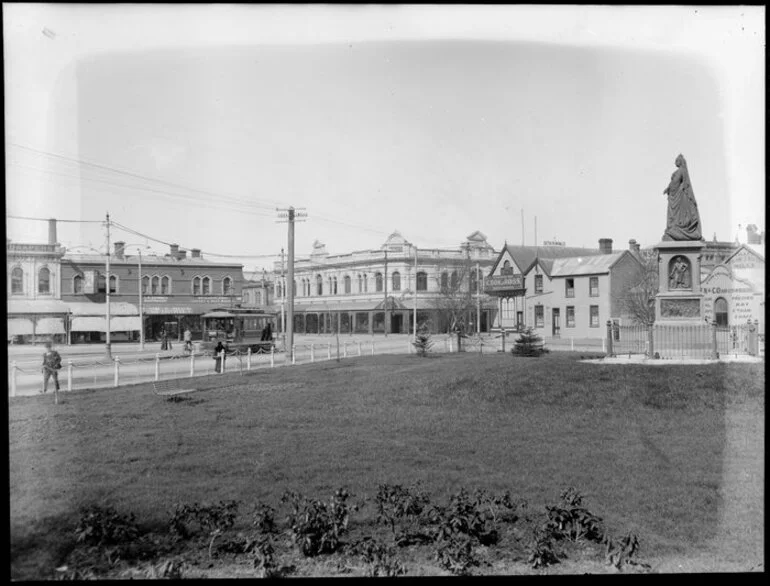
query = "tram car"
{"x": 239, "y": 329}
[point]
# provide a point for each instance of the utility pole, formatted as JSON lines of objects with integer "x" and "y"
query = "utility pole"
{"x": 478, "y": 300}
{"x": 283, "y": 300}
{"x": 290, "y": 214}
{"x": 415, "y": 293}
{"x": 385, "y": 287}
{"x": 107, "y": 287}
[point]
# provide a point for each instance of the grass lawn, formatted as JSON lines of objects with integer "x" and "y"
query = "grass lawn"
{"x": 672, "y": 453}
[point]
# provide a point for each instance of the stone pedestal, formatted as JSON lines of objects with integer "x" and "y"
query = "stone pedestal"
{"x": 679, "y": 298}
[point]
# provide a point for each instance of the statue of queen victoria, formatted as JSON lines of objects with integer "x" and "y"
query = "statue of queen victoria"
{"x": 683, "y": 220}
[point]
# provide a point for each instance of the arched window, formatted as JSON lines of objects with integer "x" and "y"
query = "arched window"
{"x": 146, "y": 284}
{"x": 454, "y": 280}
{"x": 206, "y": 286}
{"x": 366, "y": 284}
{"x": 257, "y": 297}
{"x": 347, "y": 283}
{"x": 113, "y": 284}
{"x": 396, "y": 281}
{"x": 422, "y": 281}
{"x": 196, "y": 286}
{"x": 155, "y": 287}
{"x": 507, "y": 268}
{"x": 474, "y": 280}
{"x": 44, "y": 281}
{"x": 444, "y": 281}
{"x": 165, "y": 288}
{"x": 334, "y": 286}
{"x": 319, "y": 285}
{"x": 227, "y": 286}
{"x": 720, "y": 312}
{"x": 360, "y": 283}
{"x": 378, "y": 282}
{"x": 17, "y": 281}
{"x": 77, "y": 284}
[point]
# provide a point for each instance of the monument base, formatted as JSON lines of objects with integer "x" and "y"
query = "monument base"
{"x": 680, "y": 299}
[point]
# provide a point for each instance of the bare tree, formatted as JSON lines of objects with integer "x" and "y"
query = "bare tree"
{"x": 638, "y": 300}
{"x": 454, "y": 303}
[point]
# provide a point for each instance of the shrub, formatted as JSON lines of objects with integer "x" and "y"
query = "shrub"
{"x": 104, "y": 526}
{"x": 381, "y": 560}
{"x": 623, "y": 551}
{"x": 529, "y": 344}
{"x": 423, "y": 340}
{"x": 570, "y": 520}
{"x": 396, "y": 502}
{"x": 457, "y": 556}
{"x": 317, "y": 526}
{"x": 187, "y": 520}
{"x": 542, "y": 554}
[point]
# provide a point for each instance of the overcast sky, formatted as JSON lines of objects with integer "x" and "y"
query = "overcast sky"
{"x": 197, "y": 121}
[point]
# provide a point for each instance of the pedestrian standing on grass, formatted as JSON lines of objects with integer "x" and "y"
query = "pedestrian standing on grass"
{"x": 51, "y": 366}
{"x": 219, "y": 356}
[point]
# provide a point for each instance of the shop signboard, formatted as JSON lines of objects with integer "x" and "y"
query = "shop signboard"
{"x": 504, "y": 283}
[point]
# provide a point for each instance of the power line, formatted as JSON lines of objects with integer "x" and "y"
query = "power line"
{"x": 57, "y": 219}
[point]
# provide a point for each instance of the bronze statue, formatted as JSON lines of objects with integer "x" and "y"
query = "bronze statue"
{"x": 683, "y": 220}
{"x": 679, "y": 277}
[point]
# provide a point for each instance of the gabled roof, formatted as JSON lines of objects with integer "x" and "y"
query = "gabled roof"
{"x": 524, "y": 256}
{"x": 585, "y": 265}
{"x": 755, "y": 249}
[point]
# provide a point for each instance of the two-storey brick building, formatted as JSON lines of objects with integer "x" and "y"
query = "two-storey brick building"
{"x": 176, "y": 290}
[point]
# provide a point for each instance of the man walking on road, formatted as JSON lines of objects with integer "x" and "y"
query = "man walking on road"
{"x": 51, "y": 366}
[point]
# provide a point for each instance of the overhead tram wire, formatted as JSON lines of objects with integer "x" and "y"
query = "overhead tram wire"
{"x": 268, "y": 204}
{"x": 57, "y": 219}
{"x": 186, "y": 197}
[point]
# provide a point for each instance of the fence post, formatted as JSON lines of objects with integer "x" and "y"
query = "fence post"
{"x": 359, "y": 348}
{"x": 69, "y": 375}
{"x": 248, "y": 358}
{"x": 752, "y": 341}
{"x": 117, "y": 370}
{"x": 714, "y": 352}
{"x": 344, "y": 349}
{"x": 312, "y": 353}
{"x": 272, "y": 356}
{"x": 372, "y": 343}
{"x": 328, "y": 351}
{"x": 222, "y": 361}
{"x": 157, "y": 366}
{"x": 294, "y": 353}
{"x": 450, "y": 343}
{"x": 13, "y": 378}
{"x": 504, "y": 335}
{"x": 650, "y": 342}
{"x": 192, "y": 364}
{"x": 609, "y": 338}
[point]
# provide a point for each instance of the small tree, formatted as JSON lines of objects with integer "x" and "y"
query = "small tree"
{"x": 528, "y": 344}
{"x": 423, "y": 341}
{"x": 638, "y": 299}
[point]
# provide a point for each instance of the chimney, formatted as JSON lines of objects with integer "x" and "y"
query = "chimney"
{"x": 605, "y": 245}
{"x": 634, "y": 246}
{"x": 52, "y": 231}
{"x": 195, "y": 253}
{"x": 182, "y": 254}
{"x": 175, "y": 250}
{"x": 119, "y": 249}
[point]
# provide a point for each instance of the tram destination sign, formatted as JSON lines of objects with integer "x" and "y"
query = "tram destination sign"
{"x": 503, "y": 283}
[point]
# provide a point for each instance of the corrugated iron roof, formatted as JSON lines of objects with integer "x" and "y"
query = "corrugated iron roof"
{"x": 148, "y": 260}
{"x": 584, "y": 265}
{"x": 524, "y": 256}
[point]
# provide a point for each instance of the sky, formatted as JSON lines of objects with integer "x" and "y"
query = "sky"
{"x": 192, "y": 124}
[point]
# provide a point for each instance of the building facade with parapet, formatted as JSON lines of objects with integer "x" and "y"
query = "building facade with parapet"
{"x": 380, "y": 290}
{"x": 176, "y": 290}
{"x": 35, "y": 309}
{"x": 560, "y": 291}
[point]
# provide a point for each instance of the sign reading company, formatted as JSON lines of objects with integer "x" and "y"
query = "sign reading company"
{"x": 737, "y": 297}
{"x": 504, "y": 283}
{"x": 167, "y": 309}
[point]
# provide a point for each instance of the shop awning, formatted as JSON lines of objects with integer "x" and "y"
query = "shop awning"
{"x": 19, "y": 327}
{"x": 100, "y": 309}
{"x": 218, "y": 314}
{"x": 50, "y": 325}
{"x": 88, "y": 324}
{"x": 28, "y": 306}
{"x": 125, "y": 324}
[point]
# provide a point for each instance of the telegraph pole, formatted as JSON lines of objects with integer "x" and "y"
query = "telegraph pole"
{"x": 385, "y": 287}
{"x": 415, "y": 293}
{"x": 107, "y": 283}
{"x": 283, "y": 300}
{"x": 290, "y": 214}
{"x": 478, "y": 300}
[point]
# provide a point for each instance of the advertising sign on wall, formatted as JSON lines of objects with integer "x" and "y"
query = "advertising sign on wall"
{"x": 89, "y": 282}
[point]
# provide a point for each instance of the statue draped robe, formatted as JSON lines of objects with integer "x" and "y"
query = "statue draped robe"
{"x": 683, "y": 221}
